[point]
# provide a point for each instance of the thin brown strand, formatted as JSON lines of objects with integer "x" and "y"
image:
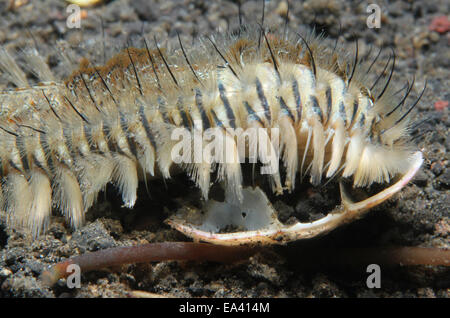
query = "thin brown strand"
{"x": 51, "y": 107}
{"x": 390, "y": 75}
{"x": 381, "y": 74}
{"x": 355, "y": 63}
{"x": 366, "y": 56}
{"x": 274, "y": 61}
{"x": 313, "y": 64}
{"x": 261, "y": 32}
{"x": 89, "y": 93}
{"x": 337, "y": 38}
{"x": 152, "y": 63}
{"x": 106, "y": 85}
{"x": 186, "y": 58}
{"x": 135, "y": 73}
{"x": 286, "y": 21}
{"x": 223, "y": 57}
{"x": 406, "y": 86}
{"x": 374, "y": 60}
{"x": 32, "y": 37}
{"x": 32, "y": 128}
{"x": 412, "y": 107}
{"x": 403, "y": 99}
{"x": 165, "y": 62}
{"x": 76, "y": 110}
{"x": 9, "y": 132}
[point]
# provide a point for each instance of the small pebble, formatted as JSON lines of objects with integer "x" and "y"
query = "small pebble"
{"x": 444, "y": 180}
{"x": 440, "y": 105}
{"x": 420, "y": 179}
{"x": 5, "y": 272}
{"x": 440, "y": 24}
{"x": 437, "y": 168}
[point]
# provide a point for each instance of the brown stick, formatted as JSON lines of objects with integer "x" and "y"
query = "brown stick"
{"x": 148, "y": 253}
{"x": 227, "y": 254}
{"x": 385, "y": 256}
{"x": 413, "y": 256}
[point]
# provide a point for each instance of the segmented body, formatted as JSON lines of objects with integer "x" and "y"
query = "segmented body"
{"x": 62, "y": 142}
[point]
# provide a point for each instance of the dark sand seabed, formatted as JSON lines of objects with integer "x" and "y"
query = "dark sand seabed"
{"x": 418, "y": 216}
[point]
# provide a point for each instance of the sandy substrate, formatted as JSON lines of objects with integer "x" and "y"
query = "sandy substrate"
{"x": 418, "y": 216}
